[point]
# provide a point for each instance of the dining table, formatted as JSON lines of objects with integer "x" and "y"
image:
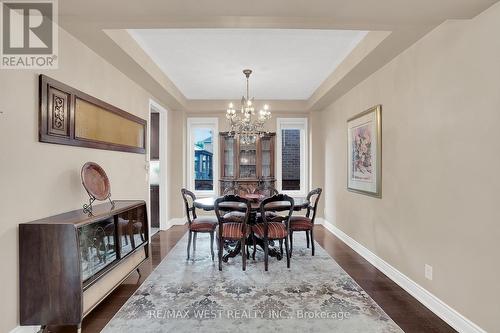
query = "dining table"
{"x": 234, "y": 248}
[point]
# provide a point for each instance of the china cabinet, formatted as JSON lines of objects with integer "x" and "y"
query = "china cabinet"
{"x": 247, "y": 168}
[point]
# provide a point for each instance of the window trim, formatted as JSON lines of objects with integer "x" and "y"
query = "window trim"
{"x": 202, "y": 122}
{"x": 302, "y": 125}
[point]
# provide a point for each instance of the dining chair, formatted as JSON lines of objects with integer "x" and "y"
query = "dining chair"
{"x": 229, "y": 228}
{"x": 306, "y": 223}
{"x": 197, "y": 224}
{"x": 275, "y": 226}
{"x": 236, "y": 216}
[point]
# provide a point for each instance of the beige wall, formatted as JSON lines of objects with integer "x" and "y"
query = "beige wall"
{"x": 441, "y": 110}
{"x": 40, "y": 179}
{"x": 176, "y": 165}
{"x": 317, "y": 160}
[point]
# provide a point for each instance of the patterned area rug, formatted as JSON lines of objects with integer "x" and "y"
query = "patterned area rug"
{"x": 314, "y": 295}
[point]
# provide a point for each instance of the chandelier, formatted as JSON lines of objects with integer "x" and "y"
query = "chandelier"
{"x": 245, "y": 124}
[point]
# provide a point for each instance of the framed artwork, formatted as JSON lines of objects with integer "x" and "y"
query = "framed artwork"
{"x": 364, "y": 152}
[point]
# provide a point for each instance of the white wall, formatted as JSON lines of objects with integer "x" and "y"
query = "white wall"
{"x": 40, "y": 179}
{"x": 440, "y": 199}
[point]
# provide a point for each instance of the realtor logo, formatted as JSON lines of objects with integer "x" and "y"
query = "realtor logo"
{"x": 29, "y": 34}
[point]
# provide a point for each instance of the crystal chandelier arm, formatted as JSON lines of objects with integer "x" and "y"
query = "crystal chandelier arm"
{"x": 243, "y": 125}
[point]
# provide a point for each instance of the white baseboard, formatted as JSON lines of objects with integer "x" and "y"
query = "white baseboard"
{"x": 441, "y": 309}
{"x": 176, "y": 221}
{"x": 26, "y": 329}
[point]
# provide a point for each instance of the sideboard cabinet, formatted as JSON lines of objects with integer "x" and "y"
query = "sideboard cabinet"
{"x": 247, "y": 167}
{"x": 70, "y": 262}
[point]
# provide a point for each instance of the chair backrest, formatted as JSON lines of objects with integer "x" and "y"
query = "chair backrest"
{"x": 189, "y": 198}
{"x": 277, "y": 203}
{"x": 313, "y": 198}
{"x": 232, "y": 202}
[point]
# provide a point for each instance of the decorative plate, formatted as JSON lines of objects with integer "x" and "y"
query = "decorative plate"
{"x": 95, "y": 181}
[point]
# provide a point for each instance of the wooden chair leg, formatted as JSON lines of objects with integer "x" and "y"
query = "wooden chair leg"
{"x": 287, "y": 253}
{"x": 248, "y": 252}
{"x": 291, "y": 243}
{"x": 243, "y": 253}
{"x": 194, "y": 242}
{"x": 312, "y": 242}
{"x": 307, "y": 238}
{"x": 189, "y": 244}
{"x": 254, "y": 246}
{"x": 281, "y": 247}
{"x": 221, "y": 247}
{"x": 266, "y": 253}
{"x": 212, "y": 244}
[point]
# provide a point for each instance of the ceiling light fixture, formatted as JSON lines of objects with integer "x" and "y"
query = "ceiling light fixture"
{"x": 243, "y": 124}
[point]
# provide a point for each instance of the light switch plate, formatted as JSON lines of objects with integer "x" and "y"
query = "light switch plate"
{"x": 428, "y": 272}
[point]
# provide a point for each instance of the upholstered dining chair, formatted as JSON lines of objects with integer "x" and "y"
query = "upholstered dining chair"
{"x": 306, "y": 223}
{"x": 197, "y": 224}
{"x": 275, "y": 226}
{"x": 230, "y": 228}
{"x": 235, "y": 215}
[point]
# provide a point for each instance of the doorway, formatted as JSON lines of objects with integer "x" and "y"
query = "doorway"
{"x": 157, "y": 168}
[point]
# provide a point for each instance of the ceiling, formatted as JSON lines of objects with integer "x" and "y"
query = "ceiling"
{"x": 287, "y": 64}
{"x": 103, "y": 26}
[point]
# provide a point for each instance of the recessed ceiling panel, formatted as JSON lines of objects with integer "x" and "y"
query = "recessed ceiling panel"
{"x": 287, "y": 64}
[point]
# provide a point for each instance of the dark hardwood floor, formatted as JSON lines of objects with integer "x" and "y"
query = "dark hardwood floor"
{"x": 405, "y": 310}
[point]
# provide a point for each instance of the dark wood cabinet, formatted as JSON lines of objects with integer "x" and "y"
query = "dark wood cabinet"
{"x": 154, "y": 140}
{"x": 247, "y": 167}
{"x": 70, "y": 262}
{"x": 154, "y": 191}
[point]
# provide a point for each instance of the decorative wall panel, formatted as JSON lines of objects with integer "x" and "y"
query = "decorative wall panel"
{"x": 58, "y": 119}
{"x": 97, "y": 124}
{"x": 71, "y": 117}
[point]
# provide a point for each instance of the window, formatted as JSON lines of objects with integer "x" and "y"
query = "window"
{"x": 292, "y": 158}
{"x": 202, "y": 155}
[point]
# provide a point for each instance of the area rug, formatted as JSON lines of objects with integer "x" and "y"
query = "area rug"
{"x": 314, "y": 295}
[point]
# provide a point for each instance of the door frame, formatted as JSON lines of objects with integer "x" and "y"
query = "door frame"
{"x": 162, "y": 133}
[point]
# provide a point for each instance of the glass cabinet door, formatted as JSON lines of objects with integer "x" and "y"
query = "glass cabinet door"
{"x": 267, "y": 157}
{"x": 248, "y": 160}
{"x": 228, "y": 168}
{"x": 131, "y": 233}
{"x": 97, "y": 247}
